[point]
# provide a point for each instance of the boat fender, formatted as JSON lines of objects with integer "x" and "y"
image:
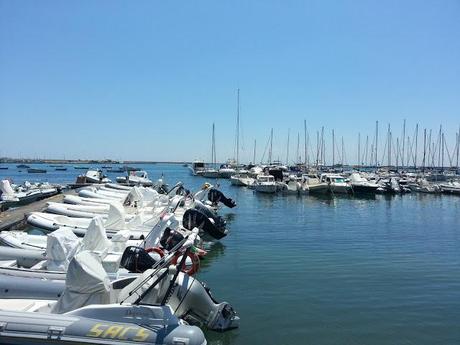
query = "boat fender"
{"x": 195, "y": 260}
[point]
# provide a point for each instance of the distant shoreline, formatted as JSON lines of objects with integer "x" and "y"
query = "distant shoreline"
{"x": 82, "y": 161}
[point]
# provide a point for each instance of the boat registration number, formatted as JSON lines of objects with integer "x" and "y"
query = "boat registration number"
{"x": 101, "y": 330}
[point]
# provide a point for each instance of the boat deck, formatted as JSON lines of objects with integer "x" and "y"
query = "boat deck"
{"x": 15, "y": 218}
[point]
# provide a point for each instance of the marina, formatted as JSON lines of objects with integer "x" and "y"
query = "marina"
{"x": 229, "y": 173}
{"x": 326, "y": 240}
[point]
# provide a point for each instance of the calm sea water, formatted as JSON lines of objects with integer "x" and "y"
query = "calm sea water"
{"x": 383, "y": 270}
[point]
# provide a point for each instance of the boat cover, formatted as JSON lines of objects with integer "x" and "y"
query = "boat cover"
{"x": 61, "y": 246}
{"x": 86, "y": 283}
{"x": 116, "y": 217}
{"x": 5, "y": 187}
{"x": 96, "y": 238}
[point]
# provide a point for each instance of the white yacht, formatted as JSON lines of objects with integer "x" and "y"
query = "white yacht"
{"x": 265, "y": 184}
{"x": 336, "y": 183}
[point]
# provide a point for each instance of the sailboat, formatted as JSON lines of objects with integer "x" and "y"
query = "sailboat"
{"x": 211, "y": 172}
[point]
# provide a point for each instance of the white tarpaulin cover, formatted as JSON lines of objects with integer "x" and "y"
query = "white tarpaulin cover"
{"x": 119, "y": 241}
{"x": 96, "y": 238}
{"x": 135, "y": 197}
{"x": 86, "y": 283}
{"x": 61, "y": 246}
{"x": 148, "y": 194}
{"x": 116, "y": 217}
{"x": 5, "y": 187}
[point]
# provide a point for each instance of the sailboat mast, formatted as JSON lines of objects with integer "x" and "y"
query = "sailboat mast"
{"x": 333, "y": 148}
{"x": 317, "y": 149}
{"x": 458, "y": 145}
{"x": 254, "y": 154}
{"x": 343, "y": 154}
{"x": 376, "y": 141}
{"x": 287, "y": 149}
{"x": 298, "y": 146}
{"x": 403, "y": 143}
{"x": 271, "y": 147}
{"x": 442, "y": 155}
{"x": 416, "y": 146}
{"x": 305, "y": 141}
{"x": 424, "y": 149}
{"x": 237, "y": 128}
{"x": 359, "y": 149}
{"x": 322, "y": 146}
{"x": 389, "y": 146}
{"x": 367, "y": 150}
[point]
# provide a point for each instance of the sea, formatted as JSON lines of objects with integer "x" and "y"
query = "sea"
{"x": 326, "y": 270}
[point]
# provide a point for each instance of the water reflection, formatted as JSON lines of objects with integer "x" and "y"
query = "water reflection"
{"x": 215, "y": 250}
{"x": 227, "y": 338}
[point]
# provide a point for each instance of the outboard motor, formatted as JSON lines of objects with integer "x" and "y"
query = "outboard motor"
{"x": 216, "y": 196}
{"x": 136, "y": 260}
{"x": 195, "y": 305}
{"x": 170, "y": 239}
{"x": 210, "y": 224}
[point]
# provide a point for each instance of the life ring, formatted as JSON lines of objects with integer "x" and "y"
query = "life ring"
{"x": 195, "y": 263}
{"x": 157, "y": 250}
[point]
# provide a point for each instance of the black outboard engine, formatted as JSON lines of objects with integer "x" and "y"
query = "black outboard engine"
{"x": 209, "y": 223}
{"x": 216, "y": 196}
{"x": 182, "y": 191}
{"x": 170, "y": 239}
{"x": 136, "y": 260}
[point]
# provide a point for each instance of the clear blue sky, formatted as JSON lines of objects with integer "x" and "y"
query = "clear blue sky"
{"x": 146, "y": 79}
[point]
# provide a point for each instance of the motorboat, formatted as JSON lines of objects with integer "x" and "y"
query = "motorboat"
{"x": 421, "y": 185}
{"x": 13, "y": 198}
{"x": 242, "y": 179}
{"x": 152, "y": 282}
{"x": 210, "y": 173}
{"x": 114, "y": 222}
{"x": 265, "y": 184}
{"x": 228, "y": 169}
{"x": 336, "y": 183}
{"x": 359, "y": 184}
{"x": 292, "y": 186}
{"x": 311, "y": 183}
{"x": 95, "y": 176}
{"x": 197, "y": 167}
{"x": 36, "y": 171}
{"x": 450, "y": 187}
{"x": 91, "y": 310}
{"x": 136, "y": 178}
{"x": 26, "y": 193}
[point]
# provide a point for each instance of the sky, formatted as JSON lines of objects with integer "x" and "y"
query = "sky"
{"x": 145, "y": 80}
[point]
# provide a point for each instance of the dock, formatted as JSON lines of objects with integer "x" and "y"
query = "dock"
{"x": 15, "y": 218}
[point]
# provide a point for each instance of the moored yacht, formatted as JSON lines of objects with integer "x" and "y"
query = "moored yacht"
{"x": 265, "y": 184}
{"x": 359, "y": 184}
{"x": 336, "y": 183}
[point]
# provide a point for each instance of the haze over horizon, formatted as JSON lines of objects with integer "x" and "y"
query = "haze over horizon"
{"x": 146, "y": 80}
